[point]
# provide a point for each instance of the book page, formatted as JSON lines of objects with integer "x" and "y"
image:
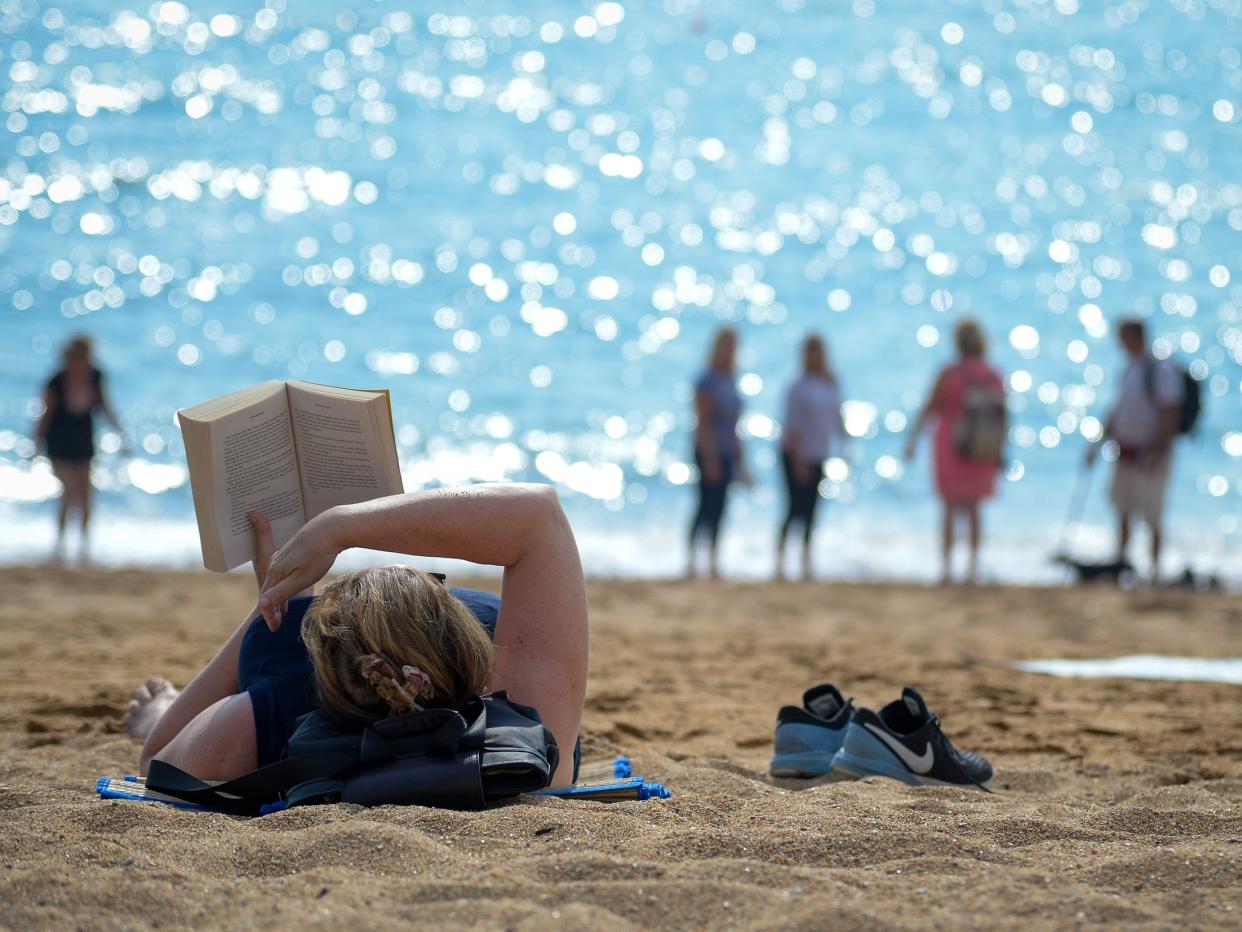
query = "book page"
{"x": 255, "y": 468}
{"x": 344, "y": 452}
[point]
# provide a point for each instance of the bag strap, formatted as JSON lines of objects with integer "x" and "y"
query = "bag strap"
{"x": 247, "y": 793}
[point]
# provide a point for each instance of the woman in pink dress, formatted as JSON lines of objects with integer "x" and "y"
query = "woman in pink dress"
{"x": 968, "y": 403}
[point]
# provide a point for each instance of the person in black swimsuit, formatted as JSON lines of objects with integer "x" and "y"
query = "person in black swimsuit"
{"x": 66, "y": 433}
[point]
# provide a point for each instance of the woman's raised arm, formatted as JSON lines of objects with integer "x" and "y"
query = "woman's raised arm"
{"x": 501, "y": 525}
{"x": 541, "y": 634}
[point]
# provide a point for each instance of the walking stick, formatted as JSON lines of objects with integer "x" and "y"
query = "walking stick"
{"x": 1077, "y": 503}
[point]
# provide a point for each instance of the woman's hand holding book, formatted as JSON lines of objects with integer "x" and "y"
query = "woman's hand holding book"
{"x": 296, "y": 566}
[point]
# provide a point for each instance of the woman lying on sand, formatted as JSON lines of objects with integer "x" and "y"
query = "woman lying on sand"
{"x": 238, "y": 713}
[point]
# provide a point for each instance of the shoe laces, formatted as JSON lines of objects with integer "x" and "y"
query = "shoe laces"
{"x": 935, "y": 720}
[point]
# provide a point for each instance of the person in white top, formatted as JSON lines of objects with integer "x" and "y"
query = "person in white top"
{"x": 811, "y": 430}
{"x": 1143, "y": 425}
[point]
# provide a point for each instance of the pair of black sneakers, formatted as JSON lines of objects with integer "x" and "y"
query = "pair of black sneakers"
{"x": 828, "y": 735}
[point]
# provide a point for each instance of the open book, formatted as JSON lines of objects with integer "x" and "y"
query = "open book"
{"x": 289, "y": 450}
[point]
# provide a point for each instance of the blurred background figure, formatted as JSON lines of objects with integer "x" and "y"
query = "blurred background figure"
{"x": 717, "y": 449}
{"x": 1144, "y": 423}
{"x": 968, "y": 403}
{"x": 812, "y": 428}
{"x": 66, "y": 433}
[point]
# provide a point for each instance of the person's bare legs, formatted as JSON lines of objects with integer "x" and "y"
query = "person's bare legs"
{"x": 75, "y": 478}
{"x": 713, "y": 562}
{"x": 806, "y": 551}
{"x": 62, "y": 470}
{"x": 147, "y": 706}
{"x": 781, "y": 537}
{"x": 212, "y": 685}
{"x": 219, "y": 743}
{"x": 946, "y": 543}
{"x": 208, "y": 729}
{"x": 708, "y": 519}
{"x": 85, "y": 496}
{"x": 696, "y": 529}
{"x": 1123, "y": 536}
{"x": 783, "y": 534}
{"x": 62, "y": 519}
{"x": 972, "y": 510}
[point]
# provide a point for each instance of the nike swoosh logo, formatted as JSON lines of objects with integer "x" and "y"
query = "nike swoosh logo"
{"x": 919, "y": 763}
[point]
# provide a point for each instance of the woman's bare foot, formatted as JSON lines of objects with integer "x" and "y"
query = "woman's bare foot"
{"x": 151, "y": 700}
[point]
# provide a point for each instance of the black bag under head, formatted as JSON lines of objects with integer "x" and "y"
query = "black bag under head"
{"x": 488, "y": 750}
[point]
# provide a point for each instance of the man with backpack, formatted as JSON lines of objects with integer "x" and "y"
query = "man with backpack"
{"x": 1156, "y": 402}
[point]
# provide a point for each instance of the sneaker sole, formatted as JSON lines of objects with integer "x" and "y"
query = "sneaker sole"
{"x": 871, "y": 759}
{"x": 909, "y": 779}
{"x": 802, "y": 766}
{"x": 854, "y": 767}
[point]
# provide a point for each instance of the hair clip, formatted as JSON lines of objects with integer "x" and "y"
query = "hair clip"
{"x": 384, "y": 680}
{"x": 418, "y": 683}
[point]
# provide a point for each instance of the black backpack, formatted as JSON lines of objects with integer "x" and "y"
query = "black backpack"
{"x": 1192, "y": 396}
{"x": 490, "y": 749}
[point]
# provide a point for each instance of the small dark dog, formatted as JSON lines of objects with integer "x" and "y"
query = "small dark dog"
{"x": 1117, "y": 572}
{"x": 1192, "y": 580}
{"x": 1121, "y": 573}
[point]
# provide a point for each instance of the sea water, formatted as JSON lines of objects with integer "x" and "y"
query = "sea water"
{"x": 527, "y": 220}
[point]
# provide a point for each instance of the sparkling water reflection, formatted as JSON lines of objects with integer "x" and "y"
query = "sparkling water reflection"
{"x": 527, "y": 219}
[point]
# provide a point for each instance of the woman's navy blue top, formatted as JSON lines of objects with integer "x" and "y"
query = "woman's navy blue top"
{"x": 726, "y": 408}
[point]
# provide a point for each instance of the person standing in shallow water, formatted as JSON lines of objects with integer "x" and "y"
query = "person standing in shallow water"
{"x": 717, "y": 449}
{"x": 66, "y": 433}
{"x": 812, "y": 427}
{"x": 968, "y": 403}
{"x": 1144, "y": 425}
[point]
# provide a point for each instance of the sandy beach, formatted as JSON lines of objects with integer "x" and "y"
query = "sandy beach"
{"x": 1117, "y": 801}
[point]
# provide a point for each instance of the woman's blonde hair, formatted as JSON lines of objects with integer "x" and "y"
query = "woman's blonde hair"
{"x": 406, "y": 617}
{"x": 968, "y": 336}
